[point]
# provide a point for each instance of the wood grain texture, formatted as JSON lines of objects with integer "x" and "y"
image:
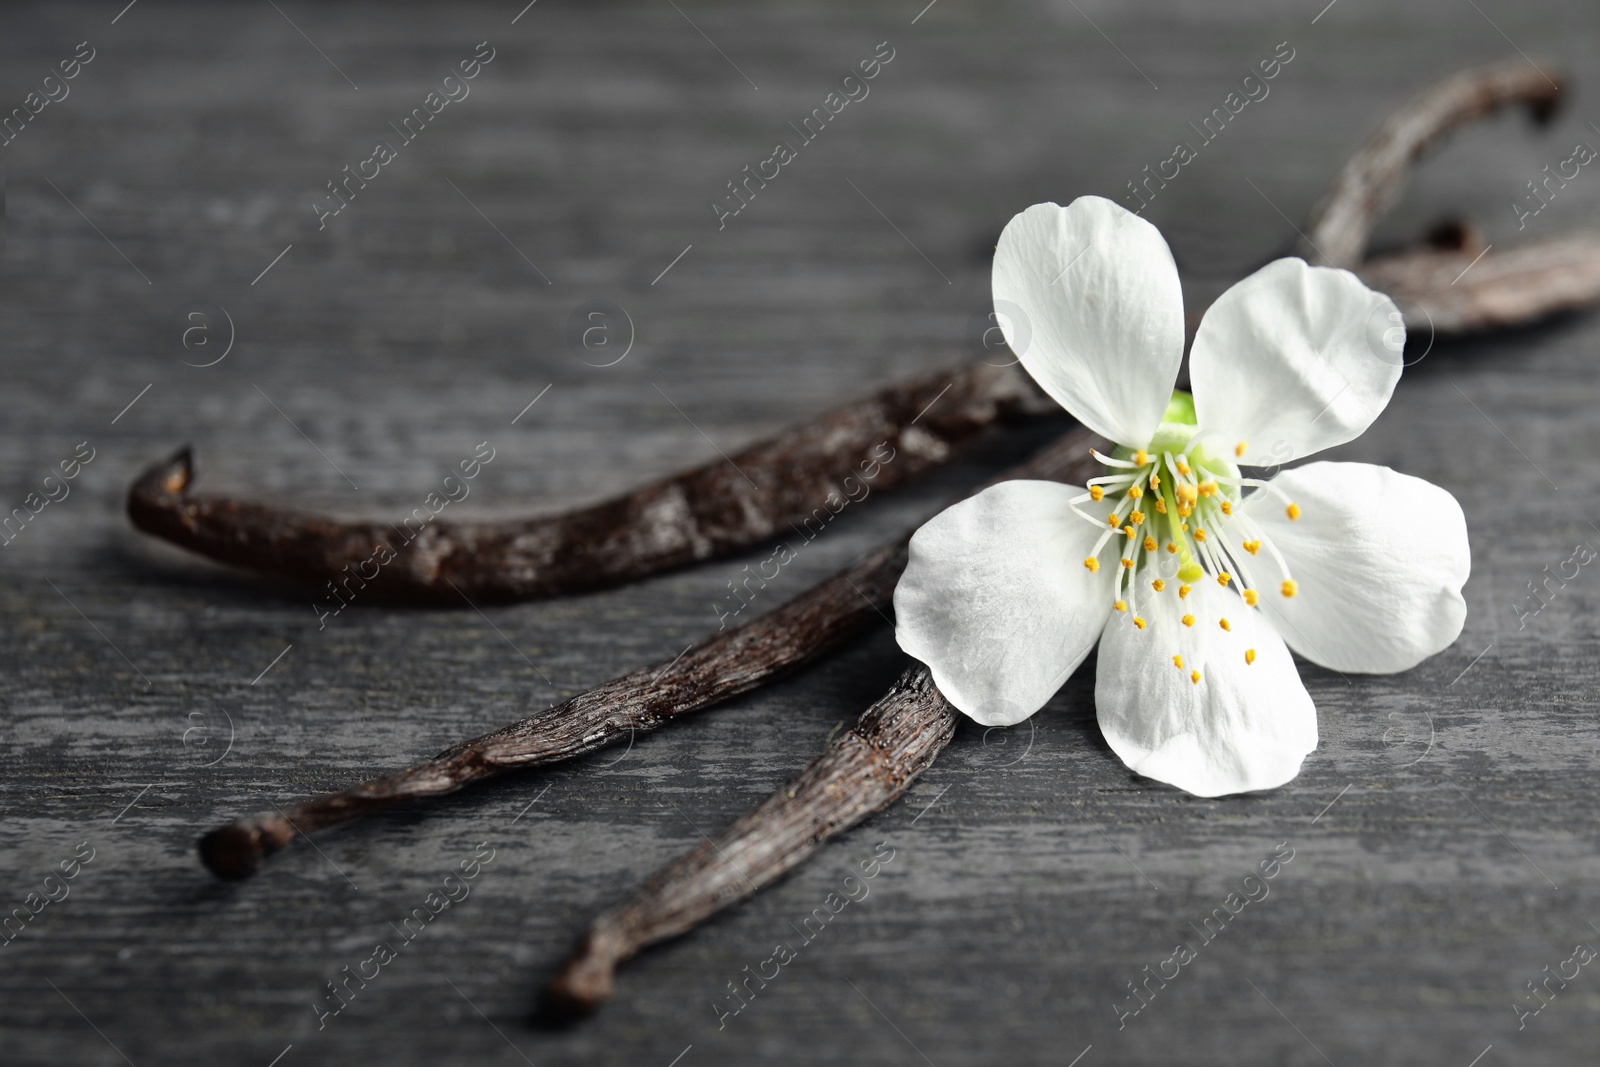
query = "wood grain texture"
{"x": 862, "y": 771}
{"x": 724, "y": 505}
{"x": 1032, "y": 879}
{"x": 728, "y": 663}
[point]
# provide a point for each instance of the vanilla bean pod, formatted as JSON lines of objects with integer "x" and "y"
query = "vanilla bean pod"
{"x": 1371, "y": 181}
{"x": 871, "y": 766}
{"x": 1456, "y": 285}
{"x": 722, "y": 507}
{"x": 709, "y": 511}
{"x": 862, "y": 771}
{"x": 731, "y": 662}
{"x": 1461, "y": 291}
{"x": 159, "y": 502}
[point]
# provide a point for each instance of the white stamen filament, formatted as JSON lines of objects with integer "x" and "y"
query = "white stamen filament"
{"x": 1253, "y": 483}
{"x": 1110, "y": 462}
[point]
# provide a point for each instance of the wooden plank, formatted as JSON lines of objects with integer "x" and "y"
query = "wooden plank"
{"x": 1025, "y": 890}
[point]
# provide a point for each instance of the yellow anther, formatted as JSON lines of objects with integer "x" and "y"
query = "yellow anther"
{"x": 1149, "y": 544}
{"x": 1188, "y": 620}
{"x": 1184, "y": 510}
{"x": 1121, "y": 605}
{"x": 1135, "y": 492}
{"x": 1185, "y": 526}
{"x": 1126, "y": 562}
{"x": 1294, "y": 511}
{"x": 1136, "y": 516}
{"x": 1183, "y": 468}
{"x": 1199, "y": 534}
{"x": 1290, "y": 587}
{"x": 1187, "y": 493}
{"x": 1155, "y": 480}
{"x": 1252, "y": 597}
{"x": 1249, "y": 655}
{"x": 1171, "y": 547}
{"x": 1129, "y": 531}
{"x": 1183, "y": 591}
{"x": 1141, "y": 457}
{"x": 1092, "y": 563}
{"x": 1252, "y": 547}
{"x": 1177, "y": 661}
{"x": 1161, "y": 505}
{"x": 1208, "y": 487}
{"x": 1239, "y": 448}
{"x": 1224, "y": 578}
{"x": 1226, "y": 625}
{"x": 1195, "y": 677}
{"x": 1138, "y": 620}
{"x": 1097, "y": 493}
{"x": 1158, "y": 585}
{"x": 1113, "y": 520}
{"x": 1227, "y": 507}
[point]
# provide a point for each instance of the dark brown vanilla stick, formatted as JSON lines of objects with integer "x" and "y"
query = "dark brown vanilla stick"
{"x": 728, "y": 664}
{"x": 732, "y": 662}
{"x": 1458, "y": 292}
{"x": 862, "y": 771}
{"x": 722, "y": 507}
{"x": 1372, "y": 180}
{"x": 844, "y": 786}
{"x": 711, "y": 510}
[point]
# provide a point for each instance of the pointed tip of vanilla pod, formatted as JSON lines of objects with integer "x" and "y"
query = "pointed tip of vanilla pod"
{"x": 586, "y": 981}
{"x": 184, "y": 457}
{"x": 233, "y": 852}
{"x": 158, "y": 484}
{"x": 556, "y": 1009}
{"x": 1543, "y": 108}
{"x": 174, "y": 473}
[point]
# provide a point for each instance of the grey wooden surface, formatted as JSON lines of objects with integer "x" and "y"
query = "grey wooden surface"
{"x": 1443, "y": 833}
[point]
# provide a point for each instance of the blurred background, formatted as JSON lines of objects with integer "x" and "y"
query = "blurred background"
{"x": 344, "y": 362}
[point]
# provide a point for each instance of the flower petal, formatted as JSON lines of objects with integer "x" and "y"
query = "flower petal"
{"x": 1295, "y": 357}
{"x": 1379, "y": 558}
{"x": 996, "y": 599}
{"x": 1242, "y": 726}
{"x": 1088, "y": 298}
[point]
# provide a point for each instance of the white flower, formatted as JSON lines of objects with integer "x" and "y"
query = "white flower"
{"x": 1195, "y": 589}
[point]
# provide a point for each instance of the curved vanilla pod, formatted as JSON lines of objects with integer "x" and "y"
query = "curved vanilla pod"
{"x": 722, "y": 507}
{"x": 1372, "y": 179}
{"x": 711, "y": 510}
{"x": 862, "y": 771}
{"x": 731, "y": 662}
